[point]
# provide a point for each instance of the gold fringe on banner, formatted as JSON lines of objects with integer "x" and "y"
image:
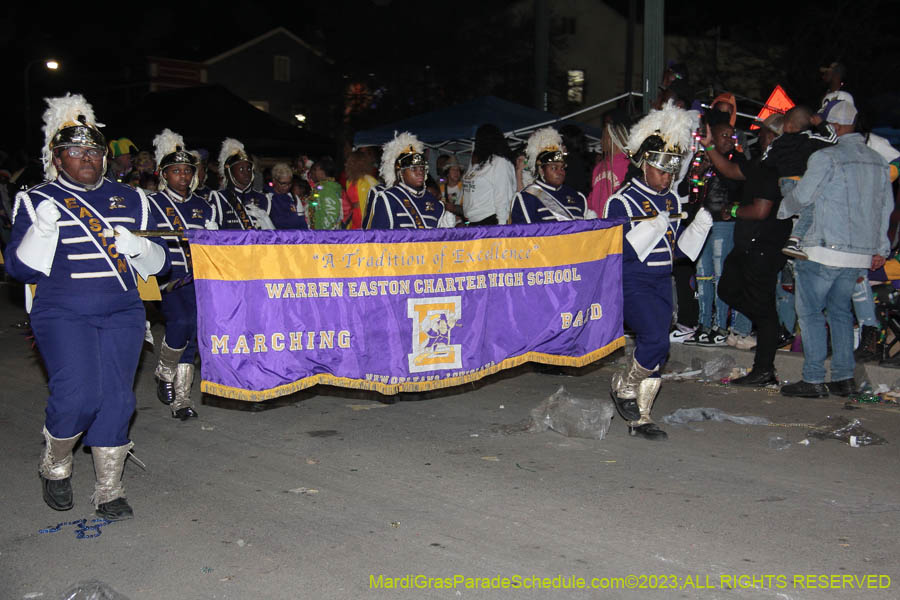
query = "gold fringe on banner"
{"x": 389, "y": 389}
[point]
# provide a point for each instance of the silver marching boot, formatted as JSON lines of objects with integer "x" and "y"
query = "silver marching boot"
{"x": 109, "y": 492}
{"x": 182, "y": 407}
{"x": 644, "y": 426}
{"x": 624, "y": 390}
{"x": 165, "y": 372}
{"x": 56, "y": 471}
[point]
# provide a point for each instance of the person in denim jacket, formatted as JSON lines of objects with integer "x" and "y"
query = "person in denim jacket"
{"x": 849, "y": 185}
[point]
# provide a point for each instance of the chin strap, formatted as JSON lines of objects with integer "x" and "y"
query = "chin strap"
{"x": 412, "y": 191}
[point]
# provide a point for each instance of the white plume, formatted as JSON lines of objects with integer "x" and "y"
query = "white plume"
{"x": 674, "y": 125}
{"x": 165, "y": 144}
{"x": 62, "y": 111}
{"x": 542, "y": 139}
{"x": 397, "y": 146}
{"x": 229, "y": 146}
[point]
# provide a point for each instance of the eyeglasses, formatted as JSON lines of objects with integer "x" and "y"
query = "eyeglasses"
{"x": 80, "y": 151}
{"x": 288, "y": 182}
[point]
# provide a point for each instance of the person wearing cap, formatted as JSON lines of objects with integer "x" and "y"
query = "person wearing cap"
{"x": 72, "y": 238}
{"x": 176, "y": 207}
{"x": 657, "y": 145}
{"x": 238, "y": 205}
{"x": 548, "y": 198}
{"x": 203, "y": 190}
{"x": 405, "y": 203}
{"x": 121, "y": 154}
{"x": 849, "y": 187}
{"x": 833, "y": 75}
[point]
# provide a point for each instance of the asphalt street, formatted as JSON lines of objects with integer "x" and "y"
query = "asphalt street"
{"x": 331, "y": 494}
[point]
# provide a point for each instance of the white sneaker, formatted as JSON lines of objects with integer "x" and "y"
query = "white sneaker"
{"x": 681, "y": 333}
{"x": 746, "y": 342}
{"x": 732, "y": 338}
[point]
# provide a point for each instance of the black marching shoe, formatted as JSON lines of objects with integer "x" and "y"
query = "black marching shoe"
{"x": 58, "y": 493}
{"x": 627, "y": 408}
{"x": 165, "y": 391}
{"x": 844, "y": 387}
{"x": 115, "y": 510}
{"x": 648, "y": 431}
{"x": 756, "y": 378}
{"x": 184, "y": 413}
{"x": 804, "y": 389}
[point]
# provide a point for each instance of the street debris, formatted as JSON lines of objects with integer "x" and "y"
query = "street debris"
{"x": 847, "y": 431}
{"x": 305, "y": 491}
{"x": 691, "y": 415}
{"x": 571, "y": 416}
{"x": 91, "y": 590}
{"x": 776, "y": 442}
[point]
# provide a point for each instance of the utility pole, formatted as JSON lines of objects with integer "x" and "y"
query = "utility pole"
{"x": 541, "y": 53}
{"x": 653, "y": 49}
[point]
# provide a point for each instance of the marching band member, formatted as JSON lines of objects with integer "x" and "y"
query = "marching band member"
{"x": 405, "y": 203}
{"x": 176, "y": 207}
{"x": 202, "y": 190}
{"x": 238, "y": 205}
{"x": 548, "y": 198}
{"x": 87, "y": 316}
{"x": 657, "y": 145}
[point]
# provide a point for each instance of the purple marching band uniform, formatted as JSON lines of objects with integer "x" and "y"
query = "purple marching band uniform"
{"x": 548, "y": 198}
{"x": 647, "y": 284}
{"x": 540, "y": 202}
{"x": 238, "y": 205}
{"x": 656, "y": 144}
{"x": 175, "y": 370}
{"x": 285, "y": 211}
{"x": 234, "y": 206}
{"x": 405, "y": 203}
{"x": 401, "y": 207}
{"x": 87, "y": 315}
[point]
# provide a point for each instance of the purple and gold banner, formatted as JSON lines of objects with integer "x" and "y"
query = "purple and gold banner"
{"x": 402, "y": 310}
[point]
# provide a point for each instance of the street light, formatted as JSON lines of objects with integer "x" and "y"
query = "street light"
{"x": 51, "y": 65}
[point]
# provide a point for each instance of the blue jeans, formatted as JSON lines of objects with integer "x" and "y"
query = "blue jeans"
{"x": 830, "y": 289}
{"x": 718, "y": 244}
{"x": 864, "y": 304}
{"x": 784, "y": 302}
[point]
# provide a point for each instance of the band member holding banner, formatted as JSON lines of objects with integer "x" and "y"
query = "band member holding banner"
{"x": 406, "y": 203}
{"x": 87, "y": 315}
{"x": 548, "y": 198}
{"x": 238, "y": 204}
{"x": 176, "y": 207}
{"x": 657, "y": 145}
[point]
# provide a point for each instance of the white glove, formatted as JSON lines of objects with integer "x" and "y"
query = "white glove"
{"x": 129, "y": 244}
{"x": 692, "y": 239}
{"x": 259, "y": 217}
{"x": 211, "y": 225}
{"x": 45, "y": 217}
{"x": 644, "y": 236}
{"x": 146, "y": 257}
{"x": 38, "y": 246}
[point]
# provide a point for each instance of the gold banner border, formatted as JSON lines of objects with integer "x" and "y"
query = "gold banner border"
{"x": 388, "y": 389}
